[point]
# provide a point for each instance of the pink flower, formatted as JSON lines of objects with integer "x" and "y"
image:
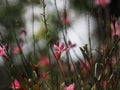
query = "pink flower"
{"x": 2, "y": 50}
{"x": 102, "y": 3}
{"x": 23, "y": 32}
{"x": 113, "y": 61}
{"x": 59, "y": 48}
{"x": 15, "y": 85}
{"x": 70, "y": 87}
{"x": 16, "y": 49}
{"x": 44, "y": 76}
{"x": 86, "y": 66}
{"x": 115, "y": 29}
{"x": 44, "y": 61}
{"x": 104, "y": 84}
{"x": 65, "y": 21}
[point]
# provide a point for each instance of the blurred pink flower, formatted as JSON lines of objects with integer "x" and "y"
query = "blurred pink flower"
{"x": 70, "y": 87}
{"x": 23, "y": 32}
{"x": 65, "y": 21}
{"x": 15, "y": 84}
{"x": 2, "y": 50}
{"x": 71, "y": 68}
{"x": 44, "y": 76}
{"x": 86, "y": 66}
{"x": 104, "y": 84}
{"x": 16, "y": 49}
{"x": 115, "y": 29}
{"x": 113, "y": 61}
{"x": 44, "y": 61}
{"x": 59, "y": 48}
{"x": 102, "y": 3}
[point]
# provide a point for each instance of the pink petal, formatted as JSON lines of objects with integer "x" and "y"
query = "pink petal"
{"x": 116, "y": 24}
{"x": 2, "y": 50}
{"x": 96, "y": 2}
{"x": 44, "y": 61}
{"x": 61, "y": 45}
{"x": 118, "y": 32}
{"x": 104, "y": 84}
{"x": 15, "y": 85}
{"x": 108, "y": 1}
{"x": 23, "y": 32}
{"x": 16, "y": 49}
{"x": 56, "y": 47}
{"x": 43, "y": 75}
{"x": 112, "y": 26}
{"x": 70, "y": 87}
{"x": 57, "y": 55}
{"x": 102, "y": 3}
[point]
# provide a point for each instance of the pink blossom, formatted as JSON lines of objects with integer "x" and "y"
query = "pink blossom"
{"x": 2, "y": 50}
{"x": 23, "y": 32}
{"x": 104, "y": 84}
{"x": 102, "y": 3}
{"x": 65, "y": 21}
{"x": 115, "y": 29}
{"x": 44, "y": 76}
{"x": 113, "y": 61}
{"x": 44, "y": 61}
{"x": 85, "y": 66}
{"x": 59, "y": 48}
{"x": 70, "y": 87}
{"x": 15, "y": 84}
{"x": 16, "y": 49}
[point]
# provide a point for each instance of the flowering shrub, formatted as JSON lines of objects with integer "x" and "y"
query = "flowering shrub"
{"x": 49, "y": 65}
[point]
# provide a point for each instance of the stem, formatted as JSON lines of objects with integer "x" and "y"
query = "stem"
{"x": 15, "y": 37}
{"x": 89, "y": 37}
{"x": 33, "y": 27}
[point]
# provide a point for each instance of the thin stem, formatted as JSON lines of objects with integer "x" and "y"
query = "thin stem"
{"x": 46, "y": 37}
{"x": 15, "y": 37}
{"x": 89, "y": 36}
{"x": 76, "y": 73}
{"x": 33, "y": 26}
